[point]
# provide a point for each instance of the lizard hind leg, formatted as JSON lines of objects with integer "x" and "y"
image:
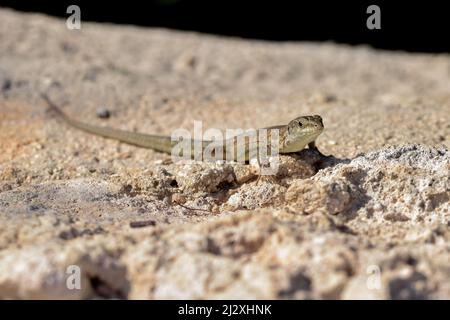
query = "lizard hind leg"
{"x": 267, "y": 176}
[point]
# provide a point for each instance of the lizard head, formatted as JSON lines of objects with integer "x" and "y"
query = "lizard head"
{"x": 301, "y": 131}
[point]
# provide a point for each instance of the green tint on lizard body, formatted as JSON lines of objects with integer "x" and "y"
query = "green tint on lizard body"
{"x": 293, "y": 137}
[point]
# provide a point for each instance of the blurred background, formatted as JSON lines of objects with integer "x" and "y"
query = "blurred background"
{"x": 406, "y": 25}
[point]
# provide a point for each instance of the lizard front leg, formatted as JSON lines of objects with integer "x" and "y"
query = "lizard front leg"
{"x": 312, "y": 146}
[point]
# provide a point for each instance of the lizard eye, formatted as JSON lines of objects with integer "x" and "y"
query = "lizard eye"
{"x": 300, "y": 124}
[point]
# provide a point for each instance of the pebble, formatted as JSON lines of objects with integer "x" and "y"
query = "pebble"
{"x": 103, "y": 113}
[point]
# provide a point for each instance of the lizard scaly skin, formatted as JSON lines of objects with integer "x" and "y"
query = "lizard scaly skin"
{"x": 293, "y": 137}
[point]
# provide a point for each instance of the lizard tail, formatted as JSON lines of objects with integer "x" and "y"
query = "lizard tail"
{"x": 158, "y": 143}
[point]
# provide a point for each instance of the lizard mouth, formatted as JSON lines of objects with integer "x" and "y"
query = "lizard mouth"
{"x": 299, "y": 144}
{"x": 312, "y": 133}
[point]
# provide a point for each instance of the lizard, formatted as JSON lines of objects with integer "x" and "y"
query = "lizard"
{"x": 292, "y": 137}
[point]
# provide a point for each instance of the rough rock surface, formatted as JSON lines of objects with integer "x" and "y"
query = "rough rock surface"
{"x": 372, "y": 220}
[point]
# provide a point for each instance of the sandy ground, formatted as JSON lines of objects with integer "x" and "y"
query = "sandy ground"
{"x": 370, "y": 221}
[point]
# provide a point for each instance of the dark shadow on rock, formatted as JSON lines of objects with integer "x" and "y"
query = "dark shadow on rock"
{"x": 297, "y": 282}
{"x": 359, "y": 197}
{"x": 407, "y": 288}
{"x": 318, "y": 160}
